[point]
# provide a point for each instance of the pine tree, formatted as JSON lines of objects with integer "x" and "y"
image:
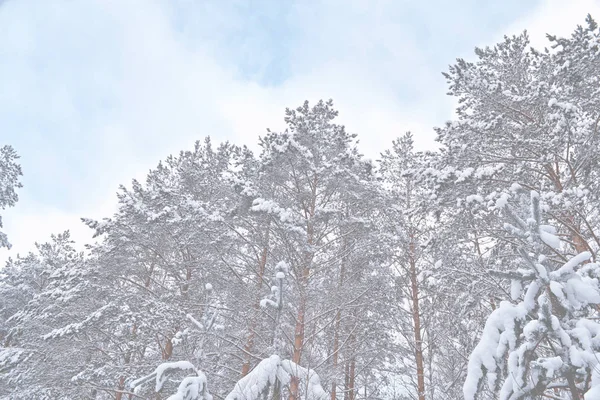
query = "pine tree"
{"x": 526, "y": 121}
{"x": 10, "y": 171}
{"x": 53, "y": 281}
{"x": 541, "y": 343}
{"x": 317, "y": 174}
{"x": 411, "y": 241}
{"x": 163, "y": 246}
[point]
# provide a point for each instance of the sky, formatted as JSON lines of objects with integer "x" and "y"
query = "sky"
{"x": 93, "y": 93}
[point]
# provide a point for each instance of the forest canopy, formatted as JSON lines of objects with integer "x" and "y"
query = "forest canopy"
{"x": 306, "y": 271}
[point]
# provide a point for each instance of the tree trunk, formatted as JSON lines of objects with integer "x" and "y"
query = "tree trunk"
{"x": 574, "y": 229}
{"x": 148, "y": 279}
{"x": 120, "y": 386}
{"x": 262, "y": 263}
{"x": 352, "y": 379}
{"x": 309, "y": 215}
{"x": 572, "y": 386}
{"x": 167, "y": 350}
{"x": 338, "y": 320}
{"x": 346, "y": 380}
{"x": 336, "y": 340}
{"x": 416, "y": 321}
{"x": 298, "y": 342}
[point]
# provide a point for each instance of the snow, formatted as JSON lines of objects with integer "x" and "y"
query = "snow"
{"x": 550, "y": 239}
{"x": 502, "y": 201}
{"x": 474, "y": 198}
{"x": 198, "y": 324}
{"x": 192, "y": 388}
{"x": 77, "y": 326}
{"x": 462, "y": 176}
{"x": 264, "y": 303}
{"x": 271, "y": 207}
{"x": 515, "y": 187}
{"x": 498, "y": 336}
{"x": 9, "y": 356}
{"x": 163, "y": 369}
{"x": 569, "y": 266}
{"x": 270, "y": 370}
{"x": 582, "y": 292}
{"x": 516, "y": 288}
{"x": 513, "y": 331}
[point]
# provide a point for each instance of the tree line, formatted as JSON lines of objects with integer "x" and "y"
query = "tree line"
{"x": 307, "y": 272}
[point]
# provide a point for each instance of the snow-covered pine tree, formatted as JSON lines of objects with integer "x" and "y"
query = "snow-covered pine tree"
{"x": 10, "y": 171}
{"x": 253, "y": 255}
{"x": 408, "y": 228}
{"x": 527, "y": 119}
{"x": 194, "y": 386}
{"x": 317, "y": 174}
{"x": 544, "y": 341}
{"x": 55, "y": 283}
{"x": 162, "y": 246}
{"x": 274, "y": 377}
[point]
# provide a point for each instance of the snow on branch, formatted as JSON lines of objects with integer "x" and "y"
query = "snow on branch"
{"x": 548, "y": 341}
{"x": 273, "y": 373}
{"x": 190, "y": 388}
{"x": 77, "y": 326}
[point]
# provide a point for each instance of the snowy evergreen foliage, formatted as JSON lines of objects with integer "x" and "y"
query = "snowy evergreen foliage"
{"x": 545, "y": 342}
{"x": 190, "y": 388}
{"x": 308, "y": 272}
{"x": 270, "y": 376}
{"x": 263, "y": 381}
{"x": 10, "y": 171}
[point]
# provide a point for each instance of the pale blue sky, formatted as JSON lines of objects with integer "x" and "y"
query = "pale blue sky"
{"x": 96, "y": 92}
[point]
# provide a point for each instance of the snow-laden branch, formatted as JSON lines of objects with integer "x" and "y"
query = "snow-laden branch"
{"x": 548, "y": 337}
{"x": 273, "y": 372}
{"x": 190, "y": 388}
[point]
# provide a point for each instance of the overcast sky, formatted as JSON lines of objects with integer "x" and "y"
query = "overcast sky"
{"x": 95, "y": 92}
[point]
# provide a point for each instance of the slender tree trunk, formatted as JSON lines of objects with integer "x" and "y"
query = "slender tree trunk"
{"x": 148, "y": 279}
{"x": 352, "y": 379}
{"x": 575, "y": 232}
{"x": 309, "y": 215}
{"x": 277, "y": 390}
{"x": 580, "y": 245}
{"x": 574, "y": 229}
{"x": 128, "y": 359}
{"x": 130, "y": 355}
{"x": 346, "y": 380}
{"x": 480, "y": 254}
{"x": 416, "y": 321}
{"x": 167, "y": 351}
{"x": 121, "y": 386}
{"x": 336, "y": 340}
{"x": 336, "y": 332}
{"x": 299, "y": 329}
{"x": 573, "y": 387}
{"x": 249, "y": 345}
{"x": 298, "y": 341}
